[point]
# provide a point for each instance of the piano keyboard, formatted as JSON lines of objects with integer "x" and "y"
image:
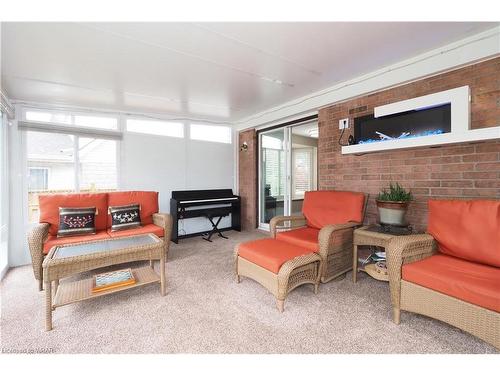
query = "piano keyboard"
{"x": 209, "y": 200}
{"x": 211, "y": 204}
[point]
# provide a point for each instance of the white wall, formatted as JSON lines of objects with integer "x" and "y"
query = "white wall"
{"x": 166, "y": 163}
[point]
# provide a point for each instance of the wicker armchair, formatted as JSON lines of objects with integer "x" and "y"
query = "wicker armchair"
{"x": 334, "y": 242}
{"x": 412, "y": 253}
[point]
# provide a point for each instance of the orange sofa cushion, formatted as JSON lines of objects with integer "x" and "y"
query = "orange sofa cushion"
{"x": 270, "y": 253}
{"x": 326, "y": 207}
{"x": 302, "y": 237}
{"x": 50, "y": 203}
{"x": 148, "y": 228}
{"x": 475, "y": 283}
{"x": 148, "y": 200}
{"x": 467, "y": 229}
{"x": 54, "y": 240}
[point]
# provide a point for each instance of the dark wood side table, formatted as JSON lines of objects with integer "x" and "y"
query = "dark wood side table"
{"x": 371, "y": 235}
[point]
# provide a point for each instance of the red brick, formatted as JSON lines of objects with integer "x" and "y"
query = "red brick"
{"x": 489, "y": 193}
{"x": 445, "y": 175}
{"x": 488, "y": 166}
{"x": 492, "y": 156}
{"x": 446, "y": 191}
{"x": 481, "y": 175}
{"x": 455, "y": 183}
{"x": 488, "y": 184}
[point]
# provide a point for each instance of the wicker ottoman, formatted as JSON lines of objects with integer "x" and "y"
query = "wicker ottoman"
{"x": 278, "y": 266}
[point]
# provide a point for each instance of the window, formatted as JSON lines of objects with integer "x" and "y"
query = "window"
{"x": 210, "y": 133}
{"x": 302, "y": 171}
{"x": 154, "y": 127}
{"x": 79, "y": 120}
{"x": 64, "y": 163}
{"x": 97, "y": 164}
{"x": 38, "y": 179}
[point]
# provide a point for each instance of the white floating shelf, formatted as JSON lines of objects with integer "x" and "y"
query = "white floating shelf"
{"x": 425, "y": 141}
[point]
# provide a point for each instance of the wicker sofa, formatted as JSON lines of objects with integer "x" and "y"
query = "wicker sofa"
{"x": 43, "y": 236}
{"x": 325, "y": 227}
{"x": 453, "y": 272}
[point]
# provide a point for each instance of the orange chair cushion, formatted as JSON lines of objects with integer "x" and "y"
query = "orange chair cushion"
{"x": 270, "y": 253}
{"x": 467, "y": 229}
{"x": 148, "y": 200}
{"x": 475, "y": 283}
{"x": 326, "y": 207}
{"x": 303, "y": 237}
{"x": 148, "y": 228}
{"x": 54, "y": 240}
{"x": 50, "y": 203}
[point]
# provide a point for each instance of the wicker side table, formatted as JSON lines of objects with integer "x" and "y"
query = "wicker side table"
{"x": 367, "y": 237}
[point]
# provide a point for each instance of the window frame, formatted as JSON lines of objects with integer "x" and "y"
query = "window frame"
{"x": 194, "y": 124}
{"x": 72, "y": 115}
{"x": 41, "y": 168}
{"x": 311, "y": 152}
{"x": 77, "y": 132}
{"x": 158, "y": 120}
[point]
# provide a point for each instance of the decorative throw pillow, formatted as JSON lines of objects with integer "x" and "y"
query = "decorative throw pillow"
{"x": 125, "y": 217}
{"x": 76, "y": 221}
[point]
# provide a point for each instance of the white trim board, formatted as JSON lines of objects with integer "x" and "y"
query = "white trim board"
{"x": 430, "y": 140}
{"x": 479, "y": 47}
{"x": 457, "y": 97}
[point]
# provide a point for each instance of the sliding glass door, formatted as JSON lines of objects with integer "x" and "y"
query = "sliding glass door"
{"x": 287, "y": 169}
{"x": 272, "y": 186}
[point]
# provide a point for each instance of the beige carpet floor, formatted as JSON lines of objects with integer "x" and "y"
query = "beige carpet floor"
{"x": 206, "y": 311}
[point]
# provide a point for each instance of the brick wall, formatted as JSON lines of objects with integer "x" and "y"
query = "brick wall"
{"x": 470, "y": 170}
{"x": 248, "y": 179}
{"x": 463, "y": 170}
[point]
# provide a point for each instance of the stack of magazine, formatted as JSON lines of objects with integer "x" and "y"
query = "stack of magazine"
{"x": 375, "y": 257}
{"x": 111, "y": 280}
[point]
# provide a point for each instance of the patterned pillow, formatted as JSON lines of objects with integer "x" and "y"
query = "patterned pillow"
{"x": 76, "y": 221}
{"x": 125, "y": 217}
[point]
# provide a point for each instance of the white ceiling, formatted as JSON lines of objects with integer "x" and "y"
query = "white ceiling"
{"x": 215, "y": 71}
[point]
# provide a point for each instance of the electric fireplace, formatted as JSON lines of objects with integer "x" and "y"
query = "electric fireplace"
{"x": 414, "y": 123}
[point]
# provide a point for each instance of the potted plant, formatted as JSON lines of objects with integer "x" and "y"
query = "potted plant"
{"x": 392, "y": 205}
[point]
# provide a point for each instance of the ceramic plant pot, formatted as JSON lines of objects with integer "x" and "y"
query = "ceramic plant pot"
{"x": 392, "y": 213}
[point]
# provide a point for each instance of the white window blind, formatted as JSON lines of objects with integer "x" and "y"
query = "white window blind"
{"x": 302, "y": 171}
{"x": 80, "y": 120}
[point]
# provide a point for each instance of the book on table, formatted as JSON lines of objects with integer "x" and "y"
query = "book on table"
{"x": 113, "y": 279}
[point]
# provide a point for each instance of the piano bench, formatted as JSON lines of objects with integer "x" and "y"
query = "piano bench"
{"x": 278, "y": 266}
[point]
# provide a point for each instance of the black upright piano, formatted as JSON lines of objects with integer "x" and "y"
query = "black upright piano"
{"x": 212, "y": 204}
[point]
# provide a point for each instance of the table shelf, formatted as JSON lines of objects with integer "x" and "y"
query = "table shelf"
{"x": 81, "y": 290}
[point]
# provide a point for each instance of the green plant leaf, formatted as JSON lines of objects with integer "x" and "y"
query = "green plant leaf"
{"x": 395, "y": 193}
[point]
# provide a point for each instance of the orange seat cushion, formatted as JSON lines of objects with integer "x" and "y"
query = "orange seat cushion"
{"x": 475, "y": 283}
{"x": 149, "y": 228}
{"x": 467, "y": 229}
{"x": 302, "y": 237}
{"x": 55, "y": 241}
{"x": 270, "y": 253}
{"x": 326, "y": 207}
{"x": 50, "y": 203}
{"x": 148, "y": 200}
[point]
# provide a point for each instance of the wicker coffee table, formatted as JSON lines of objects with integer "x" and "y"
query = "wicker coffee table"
{"x": 72, "y": 259}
